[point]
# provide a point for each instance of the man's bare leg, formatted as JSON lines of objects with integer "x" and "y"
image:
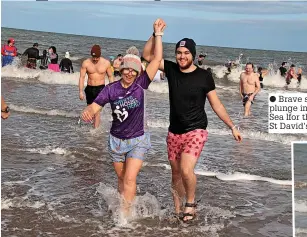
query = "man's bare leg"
{"x": 178, "y": 191}
{"x": 247, "y": 108}
{"x": 187, "y": 165}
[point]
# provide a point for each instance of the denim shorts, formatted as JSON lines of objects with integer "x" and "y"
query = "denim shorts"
{"x": 121, "y": 149}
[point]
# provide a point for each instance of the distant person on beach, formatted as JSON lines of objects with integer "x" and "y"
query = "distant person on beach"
{"x": 261, "y": 73}
{"x": 283, "y": 69}
{"x": 116, "y": 65}
{"x": 291, "y": 74}
{"x": 44, "y": 60}
{"x": 299, "y": 75}
{"x": 232, "y": 64}
{"x": 111, "y": 59}
{"x": 249, "y": 87}
{"x": 8, "y": 52}
{"x": 229, "y": 66}
{"x": 189, "y": 86}
{"x": 96, "y": 68}
{"x": 33, "y": 55}
{"x": 53, "y": 59}
{"x": 5, "y": 110}
{"x": 201, "y": 59}
{"x": 66, "y": 64}
{"x": 129, "y": 142}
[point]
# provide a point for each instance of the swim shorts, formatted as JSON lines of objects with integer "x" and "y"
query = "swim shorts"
{"x": 31, "y": 63}
{"x": 246, "y": 97}
{"x": 92, "y": 92}
{"x": 121, "y": 149}
{"x": 191, "y": 143}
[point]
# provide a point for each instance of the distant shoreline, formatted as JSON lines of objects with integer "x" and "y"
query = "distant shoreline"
{"x": 2, "y": 27}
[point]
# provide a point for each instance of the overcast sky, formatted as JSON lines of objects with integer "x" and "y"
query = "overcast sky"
{"x": 272, "y": 25}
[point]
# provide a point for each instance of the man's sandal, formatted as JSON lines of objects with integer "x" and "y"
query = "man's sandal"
{"x": 193, "y": 215}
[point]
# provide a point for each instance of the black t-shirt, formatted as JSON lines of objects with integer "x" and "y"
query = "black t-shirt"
{"x": 187, "y": 95}
{"x": 283, "y": 71}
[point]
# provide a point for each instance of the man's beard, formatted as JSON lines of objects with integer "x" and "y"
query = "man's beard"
{"x": 187, "y": 66}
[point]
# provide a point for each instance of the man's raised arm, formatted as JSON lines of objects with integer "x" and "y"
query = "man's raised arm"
{"x": 149, "y": 48}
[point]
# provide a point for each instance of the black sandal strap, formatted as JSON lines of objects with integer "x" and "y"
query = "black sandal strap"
{"x": 187, "y": 214}
{"x": 188, "y": 204}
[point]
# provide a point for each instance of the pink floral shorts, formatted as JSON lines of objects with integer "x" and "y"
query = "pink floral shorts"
{"x": 191, "y": 143}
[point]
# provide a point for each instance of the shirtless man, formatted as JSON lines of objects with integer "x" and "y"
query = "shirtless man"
{"x": 96, "y": 68}
{"x": 117, "y": 62}
{"x": 249, "y": 87}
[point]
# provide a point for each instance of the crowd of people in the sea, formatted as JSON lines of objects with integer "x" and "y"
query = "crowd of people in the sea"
{"x": 48, "y": 60}
{"x": 287, "y": 71}
{"x": 190, "y": 84}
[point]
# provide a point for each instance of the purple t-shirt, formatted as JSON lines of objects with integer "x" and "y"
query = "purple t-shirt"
{"x": 127, "y": 106}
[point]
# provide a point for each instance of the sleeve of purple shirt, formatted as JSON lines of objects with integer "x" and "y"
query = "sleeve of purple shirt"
{"x": 103, "y": 97}
{"x": 143, "y": 80}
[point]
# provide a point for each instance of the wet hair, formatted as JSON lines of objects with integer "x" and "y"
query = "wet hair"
{"x": 249, "y": 63}
{"x": 259, "y": 69}
{"x": 292, "y": 65}
{"x": 119, "y": 55}
{"x": 283, "y": 63}
{"x": 53, "y": 49}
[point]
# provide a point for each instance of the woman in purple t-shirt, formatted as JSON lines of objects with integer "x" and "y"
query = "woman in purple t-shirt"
{"x": 128, "y": 143}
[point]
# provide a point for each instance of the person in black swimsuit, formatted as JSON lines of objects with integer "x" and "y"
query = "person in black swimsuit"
{"x": 262, "y": 73}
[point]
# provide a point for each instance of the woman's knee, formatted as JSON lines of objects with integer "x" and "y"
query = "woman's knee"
{"x": 129, "y": 180}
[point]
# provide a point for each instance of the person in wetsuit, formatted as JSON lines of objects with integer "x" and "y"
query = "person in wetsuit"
{"x": 33, "y": 55}
{"x": 66, "y": 64}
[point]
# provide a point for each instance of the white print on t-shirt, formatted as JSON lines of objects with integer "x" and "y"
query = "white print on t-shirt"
{"x": 121, "y": 114}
